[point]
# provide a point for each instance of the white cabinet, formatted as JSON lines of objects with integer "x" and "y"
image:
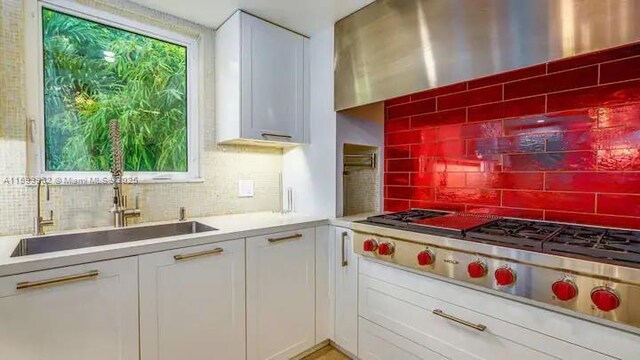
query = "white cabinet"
{"x": 262, "y": 82}
{"x": 280, "y": 294}
{"x": 192, "y": 303}
{"x": 346, "y": 292}
{"x": 445, "y": 318}
{"x": 73, "y": 313}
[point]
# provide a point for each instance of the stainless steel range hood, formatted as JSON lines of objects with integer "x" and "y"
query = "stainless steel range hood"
{"x": 396, "y": 47}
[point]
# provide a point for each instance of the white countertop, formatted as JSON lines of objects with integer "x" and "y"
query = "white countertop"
{"x": 229, "y": 227}
{"x": 346, "y": 221}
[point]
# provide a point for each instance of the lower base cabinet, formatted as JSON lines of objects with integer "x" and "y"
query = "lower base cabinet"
{"x": 78, "y": 312}
{"x": 420, "y": 310}
{"x": 280, "y": 295}
{"x": 192, "y": 303}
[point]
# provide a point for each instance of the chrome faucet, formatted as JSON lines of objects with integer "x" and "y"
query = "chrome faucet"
{"x": 119, "y": 209}
{"x": 38, "y": 221}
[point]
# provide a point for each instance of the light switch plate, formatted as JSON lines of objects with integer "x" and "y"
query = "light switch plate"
{"x": 245, "y": 188}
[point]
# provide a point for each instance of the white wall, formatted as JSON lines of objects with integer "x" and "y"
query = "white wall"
{"x": 311, "y": 169}
{"x": 351, "y": 130}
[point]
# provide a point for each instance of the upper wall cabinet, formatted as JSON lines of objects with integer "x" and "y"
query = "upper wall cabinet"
{"x": 262, "y": 83}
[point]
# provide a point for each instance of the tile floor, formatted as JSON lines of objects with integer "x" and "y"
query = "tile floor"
{"x": 327, "y": 353}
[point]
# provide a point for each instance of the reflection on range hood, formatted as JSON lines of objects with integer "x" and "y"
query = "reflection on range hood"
{"x": 397, "y": 47}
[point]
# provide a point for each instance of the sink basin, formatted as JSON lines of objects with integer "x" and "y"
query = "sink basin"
{"x": 51, "y": 243}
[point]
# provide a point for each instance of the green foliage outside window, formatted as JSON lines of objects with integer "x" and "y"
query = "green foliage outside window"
{"x": 94, "y": 73}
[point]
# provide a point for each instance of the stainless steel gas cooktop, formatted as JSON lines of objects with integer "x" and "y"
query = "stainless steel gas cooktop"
{"x": 589, "y": 270}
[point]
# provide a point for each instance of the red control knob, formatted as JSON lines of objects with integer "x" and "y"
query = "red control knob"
{"x": 564, "y": 290}
{"x": 385, "y": 248}
{"x": 426, "y": 257}
{"x": 605, "y": 298}
{"x": 505, "y": 276}
{"x": 370, "y": 245}
{"x": 477, "y": 269}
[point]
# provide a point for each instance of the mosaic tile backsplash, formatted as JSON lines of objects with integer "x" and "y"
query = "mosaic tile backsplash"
{"x": 557, "y": 141}
{"x": 86, "y": 206}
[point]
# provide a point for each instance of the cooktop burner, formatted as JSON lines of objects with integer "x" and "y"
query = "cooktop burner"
{"x": 404, "y": 218}
{"x": 599, "y": 244}
{"x": 607, "y": 244}
{"x": 514, "y": 232}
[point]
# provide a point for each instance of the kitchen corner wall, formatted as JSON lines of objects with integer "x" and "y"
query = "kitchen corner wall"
{"x": 558, "y": 141}
{"x": 85, "y": 206}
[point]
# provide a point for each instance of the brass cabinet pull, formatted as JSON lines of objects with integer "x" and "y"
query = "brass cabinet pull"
{"x": 441, "y": 313}
{"x": 197, "y": 254}
{"x": 276, "y": 135}
{"x": 57, "y": 281}
{"x": 344, "y": 259}
{"x": 290, "y": 237}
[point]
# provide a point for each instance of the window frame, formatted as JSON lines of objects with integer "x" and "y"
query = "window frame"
{"x": 35, "y": 81}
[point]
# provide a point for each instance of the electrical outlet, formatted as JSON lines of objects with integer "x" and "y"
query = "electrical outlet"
{"x": 245, "y": 188}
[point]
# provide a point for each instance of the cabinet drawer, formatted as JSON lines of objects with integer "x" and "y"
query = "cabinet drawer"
{"x": 564, "y": 336}
{"x": 377, "y": 343}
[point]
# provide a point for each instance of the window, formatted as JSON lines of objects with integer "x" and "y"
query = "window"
{"x": 97, "y": 67}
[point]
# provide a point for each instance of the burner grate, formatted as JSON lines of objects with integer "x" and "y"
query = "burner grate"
{"x": 523, "y": 234}
{"x": 404, "y": 218}
{"x": 607, "y": 244}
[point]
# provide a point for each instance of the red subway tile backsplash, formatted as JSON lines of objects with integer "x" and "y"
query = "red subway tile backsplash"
{"x": 455, "y": 116}
{"x": 507, "y": 109}
{"x": 626, "y": 69}
{"x": 603, "y": 182}
{"x": 557, "y": 141}
{"x": 617, "y": 204}
{"x": 593, "y": 219}
{"x": 572, "y": 79}
{"x": 548, "y": 161}
{"x": 412, "y": 108}
{"x": 579, "y": 202}
{"x": 602, "y": 95}
{"x": 471, "y": 97}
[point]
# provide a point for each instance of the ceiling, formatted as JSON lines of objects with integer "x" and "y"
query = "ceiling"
{"x": 303, "y": 16}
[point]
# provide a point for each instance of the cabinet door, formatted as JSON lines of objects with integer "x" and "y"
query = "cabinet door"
{"x": 280, "y": 294}
{"x": 346, "y": 321}
{"x": 273, "y": 82}
{"x": 192, "y": 303}
{"x": 79, "y": 312}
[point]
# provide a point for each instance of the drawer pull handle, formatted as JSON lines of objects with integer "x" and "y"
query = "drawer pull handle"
{"x": 344, "y": 259}
{"x": 441, "y": 313}
{"x": 276, "y": 135}
{"x": 57, "y": 281}
{"x": 290, "y": 237}
{"x": 197, "y": 254}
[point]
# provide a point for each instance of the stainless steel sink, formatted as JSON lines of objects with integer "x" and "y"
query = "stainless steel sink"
{"x": 51, "y": 243}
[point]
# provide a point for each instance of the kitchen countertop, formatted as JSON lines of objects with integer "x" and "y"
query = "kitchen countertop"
{"x": 229, "y": 227}
{"x": 346, "y": 221}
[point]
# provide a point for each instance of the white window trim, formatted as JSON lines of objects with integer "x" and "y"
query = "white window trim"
{"x": 35, "y": 85}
